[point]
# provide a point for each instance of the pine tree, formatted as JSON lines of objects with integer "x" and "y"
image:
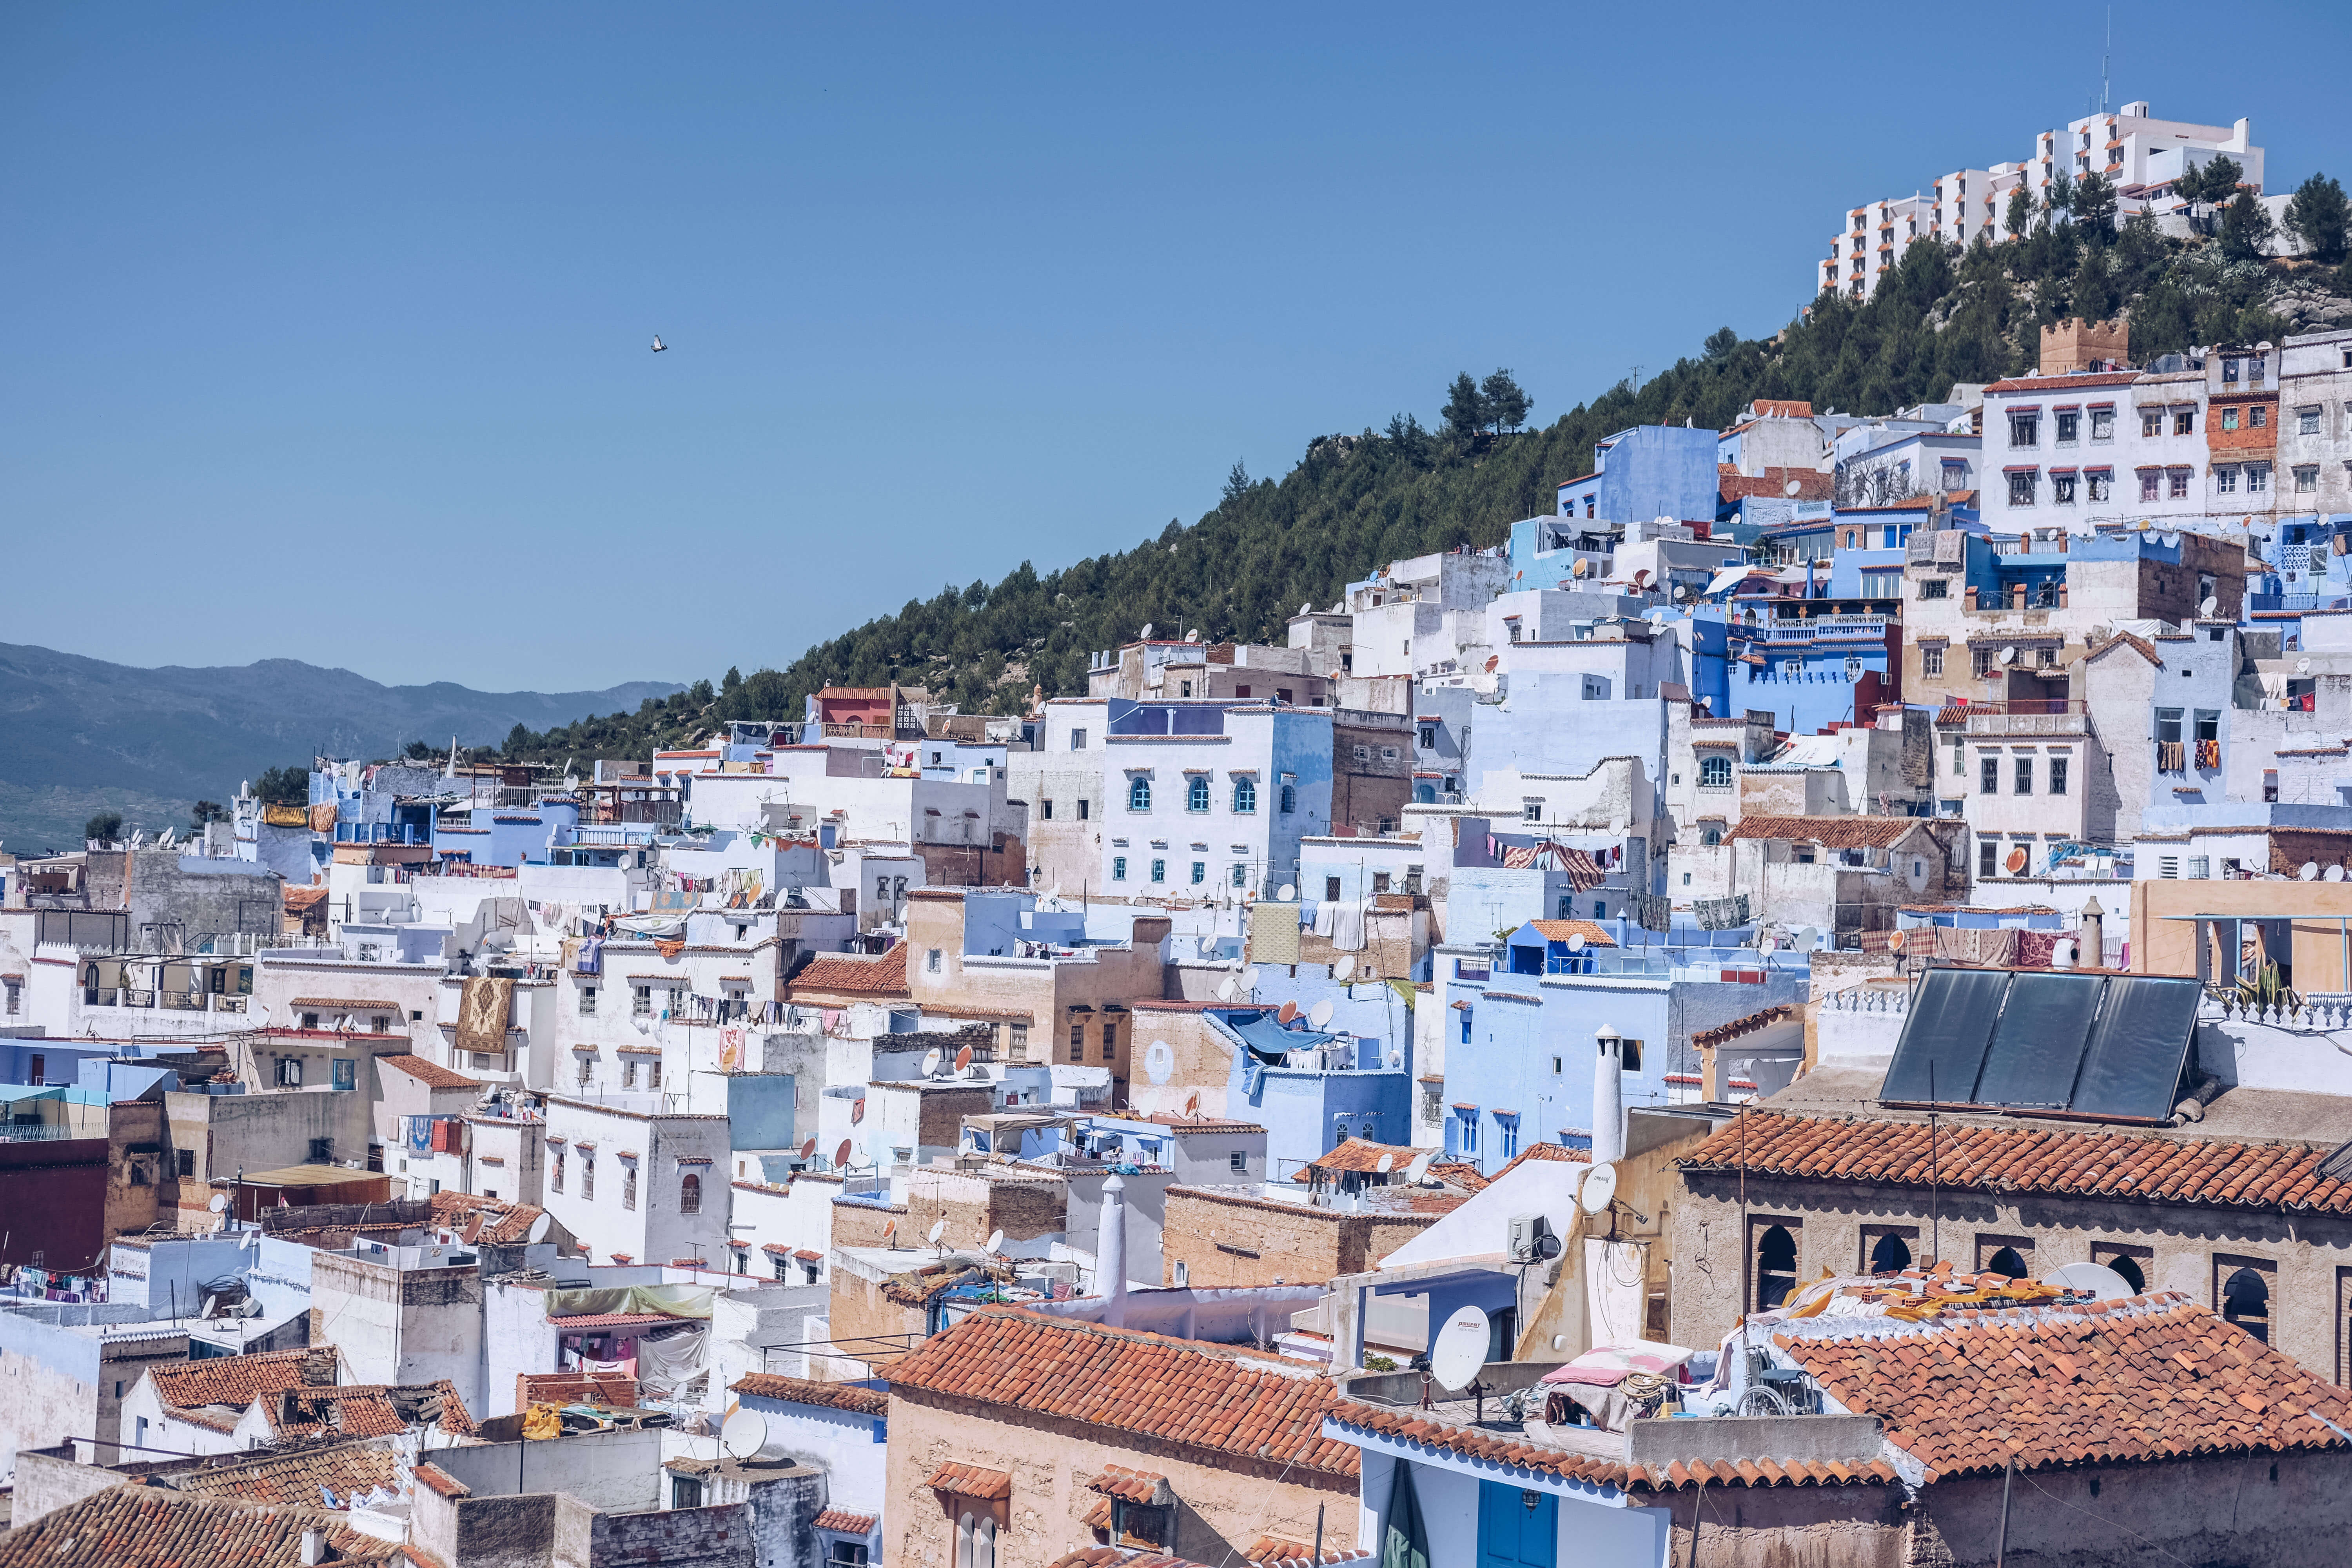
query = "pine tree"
{"x": 2317, "y": 216}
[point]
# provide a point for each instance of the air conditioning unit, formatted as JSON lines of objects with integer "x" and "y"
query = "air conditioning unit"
{"x": 1532, "y": 1240}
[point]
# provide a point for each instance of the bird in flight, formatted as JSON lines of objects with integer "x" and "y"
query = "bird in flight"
{"x": 658, "y": 345}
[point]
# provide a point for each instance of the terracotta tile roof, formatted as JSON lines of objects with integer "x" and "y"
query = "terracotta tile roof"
{"x": 2132, "y": 640}
{"x": 237, "y": 1380}
{"x": 344, "y": 1005}
{"x": 1560, "y": 930}
{"x": 1830, "y": 832}
{"x": 2155, "y": 1377}
{"x": 1747, "y": 1025}
{"x": 1557, "y": 1154}
{"x": 2065, "y": 383}
{"x": 507, "y": 1224}
{"x": 1460, "y": 1174}
{"x": 294, "y": 1478}
{"x": 971, "y": 1480}
{"x": 849, "y": 1523}
{"x": 1202, "y": 1397}
{"x": 442, "y": 1481}
{"x": 1412, "y": 1426}
{"x": 614, "y": 1388}
{"x": 808, "y": 1391}
{"x": 433, "y": 1075}
{"x": 156, "y": 1527}
{"x": 573, "y": 1325}
{"x": 1275, "y": 1549}
{"x": 1134, "y": 1486}
{"x": 1359, "y": 1154}
{"x": 360, "y": 1410}
{"x": 2146, "y": 1166}
{"x": 1202, "y": 1123}
{"x": 853, "y": 974}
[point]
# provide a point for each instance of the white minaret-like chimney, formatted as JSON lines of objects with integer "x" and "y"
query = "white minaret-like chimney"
{"x": 1608, "y": 1095}
{"x": 1110, "y": 1252}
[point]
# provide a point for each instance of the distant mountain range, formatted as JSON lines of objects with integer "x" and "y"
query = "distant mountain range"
{"x": 78, "y": 736}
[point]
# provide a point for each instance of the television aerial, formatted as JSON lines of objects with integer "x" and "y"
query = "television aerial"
{"x": 1345, "y": 970}
{"x": 995, "y": 1241}
{"x": 1159, "y": 1062}
{"x": 1460, "y": 1349}
{"x": 2103, "y": 1282}
{"x": 743, "y": 1434}
{"x": 1286, "y": 892}
{"x": 1320, "y": 1013}
{"x": 1600, "y": 1185}
{"x": 1418, "y": 1172}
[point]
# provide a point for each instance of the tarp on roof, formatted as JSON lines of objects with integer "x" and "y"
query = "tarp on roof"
{"x": 1266, "y": 1036}
{"x": 670, "y": 1300}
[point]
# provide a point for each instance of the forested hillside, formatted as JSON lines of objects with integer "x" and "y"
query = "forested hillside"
{"x": 1354, "y": 501}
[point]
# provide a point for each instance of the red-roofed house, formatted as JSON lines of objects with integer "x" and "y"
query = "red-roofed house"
{"x": 1023, "y": 1433}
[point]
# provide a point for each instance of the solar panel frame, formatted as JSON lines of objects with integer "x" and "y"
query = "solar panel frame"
{"x": 2117, "y": 1083}
{"x": 1950, "y": 1025}
{"x": 2036, "y": 1054}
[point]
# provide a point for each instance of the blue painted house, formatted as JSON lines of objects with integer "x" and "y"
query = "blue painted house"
{"x": 1649, "y": 472}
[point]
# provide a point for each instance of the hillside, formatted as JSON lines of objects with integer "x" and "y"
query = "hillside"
{"x": 1355, "y": 502}
{"x": 78, "y": 735}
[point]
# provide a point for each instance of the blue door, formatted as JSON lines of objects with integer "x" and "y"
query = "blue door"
{"x": 1516, "y": 1529}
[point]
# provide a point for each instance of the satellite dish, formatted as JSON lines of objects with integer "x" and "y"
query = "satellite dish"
{"x": 1289, "y": 1013}
{"x": 1807, "y": 939}
{"x": 211, "y": 1306}
{"x": 743, "y": 1434}
{"x": 1227, "y": 991}
{"x": 1791, "y": 488}
{"x": 538, "y": 1229}
{"x": 1385, "y": 1164}
{"x": 1286, "y": 892}
{"x": 1600, "y": 1185}
{"x": 930, "y": 1064}
{"x": 891, "y": 1234}
{"x": 963, "y": 1058}
{"x": 995, "y": 1241}
{"x": 1146, "y": 633}
{"x": 219, "y": 1203}
{"x": 1460, "y": 1348}
{"x": 1396, "y": 1058}
{"x": 841, "y": 1155}
{"x": 2015, "y": 861}
{"x": 1159, "y": 1062}
{"x": 1418, "y": 1172}
{"x": 2210, "y": 605}
{"x": 1345, "y": 969}
{"x": 808, "y": 1149}
{"x": 939, "y": 1228}
{"x": 2333, "y": 874}
{"x": 1576, "y": 942}
{"x": 1320, "y": 1013}
{"x": 2302, "y": 666}
{"x": 1193, "y": 1103}
{"x": 2310, "y": 872}
{"x": 2008, "y": 655}
{"x": 1307, "y": 609}
{"x": 2101, "y": 1282}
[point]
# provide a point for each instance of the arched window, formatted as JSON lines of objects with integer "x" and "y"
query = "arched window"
{"x": 2009, "y": 1261}
{"x": 1138, "y": 795}
{"x": 1289, "y": 799}
{"x": 1776, "y": 1267}
{"x": 983, "y": 1545}
{"x": 1245, "y": 795}
{"x": 628, "y": 1186}
{"x": 1715, "y": 772}
{"x": 2246, "y": 1301}
{"x": 1891, "y": 1256}
{"x": 2128, "y": 1267}
{"x": 963, "y": 1542}
{"x": 689, "y": 1193}
{"x": 1710, "y": 836}
{"x": 1196, "y": 794}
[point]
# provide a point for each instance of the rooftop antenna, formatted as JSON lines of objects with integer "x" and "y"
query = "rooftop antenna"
{"x": 2104, "y": 52}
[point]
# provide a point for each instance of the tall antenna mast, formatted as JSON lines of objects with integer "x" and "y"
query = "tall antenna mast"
{"x": 2104, "y": 54}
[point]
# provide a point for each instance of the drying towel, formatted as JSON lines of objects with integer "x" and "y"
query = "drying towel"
{"x": 1348, "y": 924}
{"x": 1326, "y": 915}
{"x": 322, "y": 817}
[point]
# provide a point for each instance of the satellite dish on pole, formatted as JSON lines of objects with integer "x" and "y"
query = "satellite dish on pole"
{"x": 538, "y": 1229}
{"x": 1599, "y": 1187}
{"x": 995, "y": 1241}
{"x": 1418, "y": 1172}
{"x": 1385, "y": 1164}
{"x": 2333, "y": 874}
{"x": 743, "y": 1434}
{"x": 1227, "y": 990}
{"x": 939, "y": 1228}
{"x": 1576, "y": 942}
{"x": 963, "y": 1058}
{"x": 2210, "y": 605}
{"x": 1159, "y": 1062}
{"x": 2008, "y": 655}
{"x": 1289, "y": 1013}
{"x": 1146, "y": 633}
{"x": 1193, "y": 1103}
{"x": 1791, "y": 488}
{"x": 1345, "y": 969}
{"x": 840, "y": 1156}
{"x": 1286, "y": 892}
{"x": 808, "y": 1148}
{"x": 219, "y": 1203}
{"x": 930, "y": 1064}
{"x": 2310, "y": 872}
{"x": 1320, "y": 1013}
{"x": 1460, "y": 1349}
{"x": 2101, "y": 1282}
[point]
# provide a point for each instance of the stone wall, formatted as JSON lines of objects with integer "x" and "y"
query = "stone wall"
{"x": 1227, "y": 1239}
{"x": 1022, "y": 1208}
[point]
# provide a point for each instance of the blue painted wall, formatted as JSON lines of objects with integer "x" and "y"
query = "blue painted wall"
{"x": 1651, "y": 470}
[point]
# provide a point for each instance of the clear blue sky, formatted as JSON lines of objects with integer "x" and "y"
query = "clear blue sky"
{"x": 328, "y": 325}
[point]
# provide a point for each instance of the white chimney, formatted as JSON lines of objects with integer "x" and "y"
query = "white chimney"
{"x": 314, "y": 1546}
{"x": 1110, "y": 1252}
{"x": 1608, "y": 1095}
